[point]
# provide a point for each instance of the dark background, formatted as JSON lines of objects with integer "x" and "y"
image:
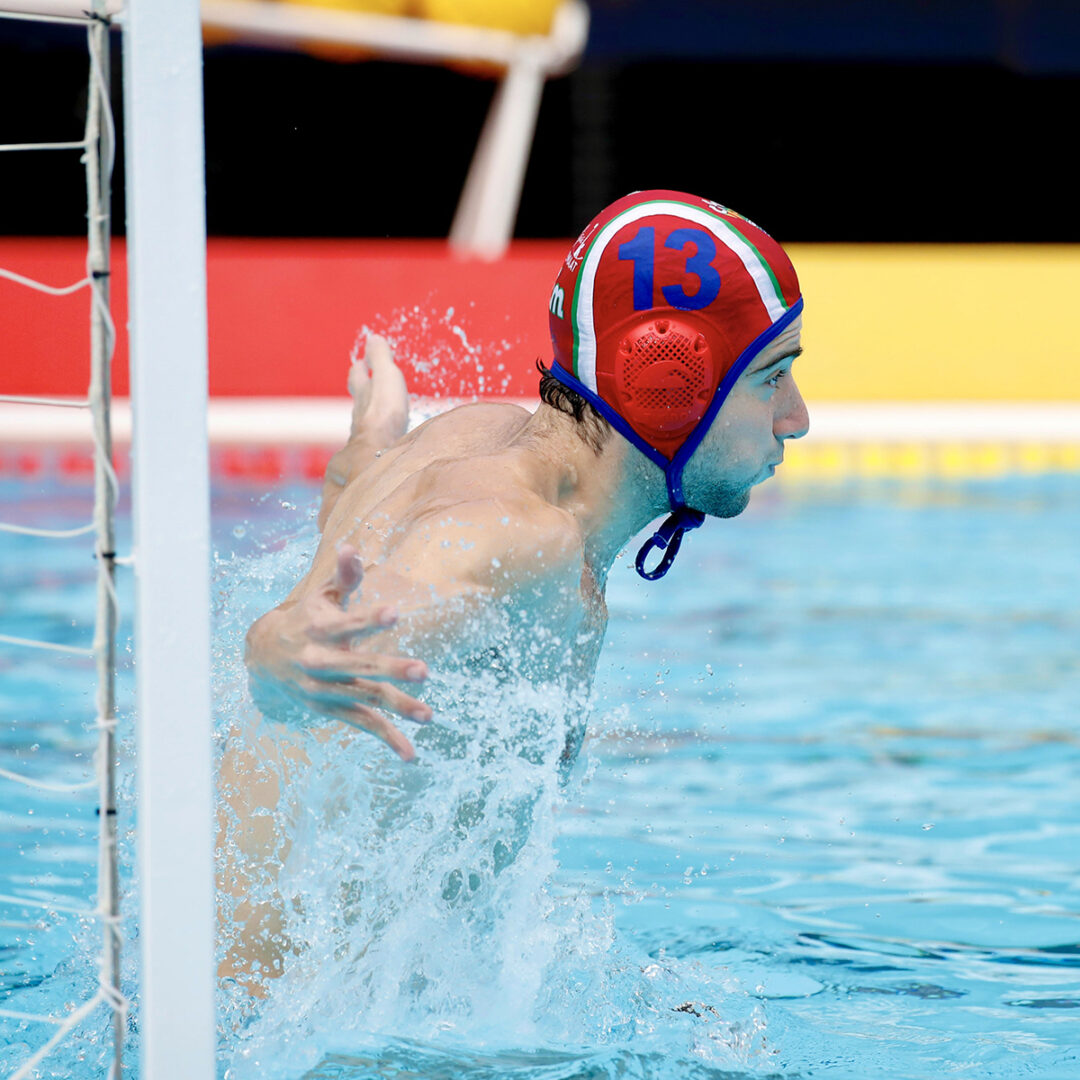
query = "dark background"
{"x": 906, "y": 120}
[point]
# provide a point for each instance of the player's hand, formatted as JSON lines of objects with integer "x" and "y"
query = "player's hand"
{"x": 314, "y": 656}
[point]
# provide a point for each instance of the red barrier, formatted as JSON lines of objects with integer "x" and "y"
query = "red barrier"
{"x": 284, "y": 315}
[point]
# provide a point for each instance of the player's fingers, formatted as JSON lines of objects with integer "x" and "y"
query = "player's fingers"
{"x": 329, "y": 691}
{"x": 342, "y": 664}
{"x": 357, "y": 624}
{"x": 386, "y": 695}
{"x": 346, "y": 576}
{"x": 360, "y": 716}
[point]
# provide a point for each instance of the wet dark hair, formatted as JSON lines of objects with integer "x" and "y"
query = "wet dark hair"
{"x": 592, "y": 427}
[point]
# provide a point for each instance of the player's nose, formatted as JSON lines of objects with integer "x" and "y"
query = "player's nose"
{"x": 792, "y": 419}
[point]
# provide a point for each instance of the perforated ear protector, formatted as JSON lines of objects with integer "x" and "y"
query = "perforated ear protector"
{"x": 664, "y": 378}
{"x": 660, "y": 305}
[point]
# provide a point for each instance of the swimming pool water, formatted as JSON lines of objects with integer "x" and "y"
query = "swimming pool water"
{"x": 825, "y": 822}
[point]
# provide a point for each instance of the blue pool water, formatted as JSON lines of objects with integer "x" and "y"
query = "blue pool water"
{"x": 824, "y": 823}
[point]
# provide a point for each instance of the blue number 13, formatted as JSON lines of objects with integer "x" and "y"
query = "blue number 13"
{"x": 641, "y": 251}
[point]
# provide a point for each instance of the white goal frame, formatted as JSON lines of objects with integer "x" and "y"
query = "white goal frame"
{"x": 166, "y": 248}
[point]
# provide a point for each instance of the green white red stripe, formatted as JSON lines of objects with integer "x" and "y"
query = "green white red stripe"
{"x": 582, "y": 305}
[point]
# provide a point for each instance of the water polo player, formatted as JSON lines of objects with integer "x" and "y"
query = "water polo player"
{"x": 674, "y": 324}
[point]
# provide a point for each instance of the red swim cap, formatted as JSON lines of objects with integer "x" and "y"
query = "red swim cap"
{"x": 659, "y": 307}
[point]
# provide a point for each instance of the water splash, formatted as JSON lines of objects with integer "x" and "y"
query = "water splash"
{"x": 423, "y": 903}
{"x": 433, "y": 347}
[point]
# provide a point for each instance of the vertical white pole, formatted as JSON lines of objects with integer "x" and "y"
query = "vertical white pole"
{"x": 484, "y": 220}
{"x": 167, "y": 267}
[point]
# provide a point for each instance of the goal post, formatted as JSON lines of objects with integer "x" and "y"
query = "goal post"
{"x": 166, "y": 249}
{"x": 166, "y": 246}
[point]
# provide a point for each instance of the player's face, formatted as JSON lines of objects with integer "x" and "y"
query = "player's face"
{"x": 745, "y": 443}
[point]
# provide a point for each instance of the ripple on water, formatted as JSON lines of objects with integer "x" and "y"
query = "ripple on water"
{"x": 824, "y": 825}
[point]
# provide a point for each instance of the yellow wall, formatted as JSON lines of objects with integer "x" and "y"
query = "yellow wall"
{"x": 972, "y": 322}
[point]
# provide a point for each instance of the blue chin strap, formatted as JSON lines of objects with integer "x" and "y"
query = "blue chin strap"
{"x": 682, "y": 519}
{"x": 668, "y": 539}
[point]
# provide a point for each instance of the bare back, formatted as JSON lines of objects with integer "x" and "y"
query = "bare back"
{"x": 461, "y": 512}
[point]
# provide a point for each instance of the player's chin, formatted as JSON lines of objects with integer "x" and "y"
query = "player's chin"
{"x": 728, "y": 502}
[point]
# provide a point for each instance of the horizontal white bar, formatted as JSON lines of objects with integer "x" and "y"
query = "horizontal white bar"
{"x": 46, "y": 534}
{"x": 46, "y": 785}
{"x": 945, "y": 421}
{"x": 64, "y": 9}
{"x": 325, "y": 421}
{"x": 31, "y": 643}
{"x": 418, "y": 39}
{"x": 303, "y": 420}
{"x": 81, "y": 145}
{"x": 64, "y": 403}
{"x": 40, "y": 286}
{"x": 278, "y": 421}
{"x": 38, "y": 1018}
{"x": 18, "y": 16}
{"x": 18, "y": 423}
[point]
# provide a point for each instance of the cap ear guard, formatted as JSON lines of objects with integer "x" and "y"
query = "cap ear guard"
{"x": 664, "y": 378}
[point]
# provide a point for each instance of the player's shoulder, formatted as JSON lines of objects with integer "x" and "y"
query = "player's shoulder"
{"x": 502, "y": 537}
{"x": 511, "y": 410}
{"x": 493, "y": 420}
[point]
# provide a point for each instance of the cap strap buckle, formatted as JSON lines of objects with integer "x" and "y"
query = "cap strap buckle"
{"x": 668, "y": 538}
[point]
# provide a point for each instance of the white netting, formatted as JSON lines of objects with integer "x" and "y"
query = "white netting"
{"x": 98, "y": 147}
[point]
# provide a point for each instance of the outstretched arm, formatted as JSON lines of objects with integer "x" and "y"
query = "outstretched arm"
{"x": 318, "y": 653}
